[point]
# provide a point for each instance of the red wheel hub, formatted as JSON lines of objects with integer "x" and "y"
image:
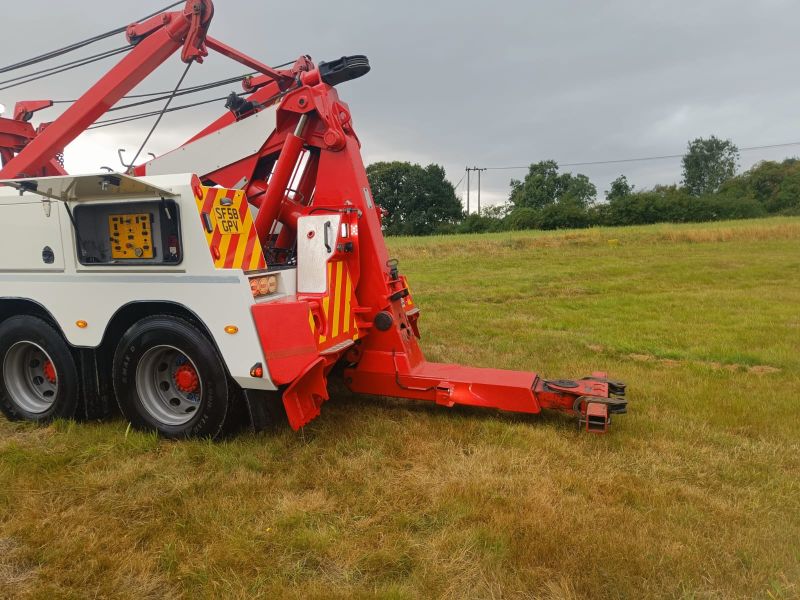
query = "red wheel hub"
{"x": 186, "y": 379}
{"x": 49, "y": 371}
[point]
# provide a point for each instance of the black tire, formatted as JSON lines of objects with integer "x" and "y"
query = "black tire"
{"x": 27, "y": 392}
{"x": 140, "y": 381}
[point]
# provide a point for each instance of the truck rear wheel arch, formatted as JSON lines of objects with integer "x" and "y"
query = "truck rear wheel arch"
{"x": 133, "y": 312}
{"x": 120, "y": 322}
{"x": 12, "y": 307}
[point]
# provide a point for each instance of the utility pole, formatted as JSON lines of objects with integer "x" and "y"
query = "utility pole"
{"x": 479, "y": 191}
{"x": 479, "y": 171}
{"x": 468, "y": 170}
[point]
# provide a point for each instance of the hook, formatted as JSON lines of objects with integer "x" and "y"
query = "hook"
{"x": 120, "y": 152}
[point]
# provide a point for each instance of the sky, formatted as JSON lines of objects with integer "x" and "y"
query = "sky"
{"x": 490, "y": 84}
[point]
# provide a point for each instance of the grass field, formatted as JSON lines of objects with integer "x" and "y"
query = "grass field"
{"x": 694, "y": 494}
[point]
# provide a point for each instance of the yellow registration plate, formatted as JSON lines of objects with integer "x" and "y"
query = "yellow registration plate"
{"x": 228, "y": 220}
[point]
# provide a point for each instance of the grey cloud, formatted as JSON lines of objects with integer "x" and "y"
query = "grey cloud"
{"x": 496, "y": 83}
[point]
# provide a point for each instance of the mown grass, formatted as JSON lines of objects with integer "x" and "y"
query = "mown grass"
{"x": 695, "y": 493}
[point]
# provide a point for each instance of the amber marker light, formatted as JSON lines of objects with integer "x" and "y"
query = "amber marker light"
{"x": 231, "y": 330}
{"x": 81, "y": 324}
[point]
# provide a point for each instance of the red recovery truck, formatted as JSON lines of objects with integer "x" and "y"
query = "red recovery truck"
{"x": 285, "y": 241}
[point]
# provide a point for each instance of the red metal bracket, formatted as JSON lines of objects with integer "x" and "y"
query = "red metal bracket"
{"x": 199, "y": 14}
{"x": 596, "y": 418}
{"x": 23, "y": 111}
{"x": 247, "y": 61}
{"x": 303, "y": 399}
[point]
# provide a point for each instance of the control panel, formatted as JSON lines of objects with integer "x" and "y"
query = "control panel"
{"x": 128, "y": 233}
{"x": 131, "y": 236}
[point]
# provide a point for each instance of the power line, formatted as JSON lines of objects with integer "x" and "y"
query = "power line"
{"x": 768, "y": 146}
{"x": 643, "y": 158}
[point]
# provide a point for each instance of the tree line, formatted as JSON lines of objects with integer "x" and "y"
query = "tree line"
{"x": 420, "y": 201}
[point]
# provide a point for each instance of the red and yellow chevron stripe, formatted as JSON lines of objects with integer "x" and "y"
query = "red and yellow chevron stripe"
{"x": 408, "y": 302}
{"x": 229, "y": 228}
{"x": 337, "y": 308}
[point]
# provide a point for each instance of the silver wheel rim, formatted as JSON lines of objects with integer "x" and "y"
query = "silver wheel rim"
{"x": 32, "y": 385}
{"x": 158, "y": 385}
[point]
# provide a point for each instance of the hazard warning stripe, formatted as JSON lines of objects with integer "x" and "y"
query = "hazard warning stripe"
{"x": 336, "y": 285}
{"x": 229, "y": 249}
{"x": 337, "y": 308}
{"x": 249, "y": 255}
{"x": 235, "y": 248}
{"x": 211, "y": 195}
{"x": 348, "y": 294}
{"x": 216, "y": 237}
{"x": 326, "y": 303}
{"x": 230, "y": 252}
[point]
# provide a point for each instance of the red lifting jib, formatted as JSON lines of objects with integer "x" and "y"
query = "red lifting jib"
{"x": 309, "y": 165}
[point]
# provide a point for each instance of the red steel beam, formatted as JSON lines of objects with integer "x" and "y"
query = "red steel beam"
{"x": 247, "y": 61}
{"x": 146, "y": 56}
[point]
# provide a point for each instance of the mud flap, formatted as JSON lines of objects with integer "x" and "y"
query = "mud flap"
{"x": 306, "y": 394}
{"x": 264, "y": 409}
{"x": 96, "y": 390}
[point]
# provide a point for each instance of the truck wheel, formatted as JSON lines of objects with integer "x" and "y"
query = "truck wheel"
{"x": 169, "y": 378}
{"x": 40, "y": 379}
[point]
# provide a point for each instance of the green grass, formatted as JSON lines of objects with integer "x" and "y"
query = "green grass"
{"x": 694, "y": 494}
